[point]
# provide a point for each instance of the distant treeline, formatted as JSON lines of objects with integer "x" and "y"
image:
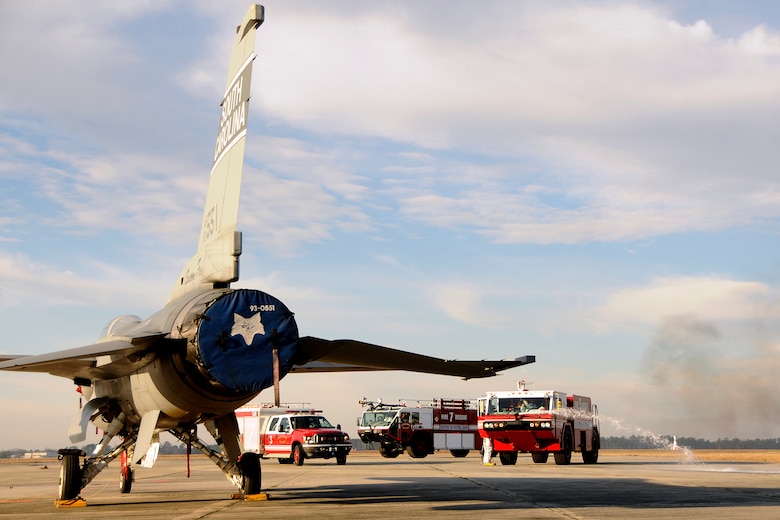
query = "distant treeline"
{"x": 166, "y": 448}
{"x": 636, "y": 442}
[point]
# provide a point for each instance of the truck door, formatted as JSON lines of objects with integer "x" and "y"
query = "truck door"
{"x": 426, "y": 418}
{"x": 277, "y": 438}
{"x": 405, "y": 430}
{"x": 285, "y": 433}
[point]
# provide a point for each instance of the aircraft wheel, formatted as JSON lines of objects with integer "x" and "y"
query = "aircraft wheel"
{"x": 125, "y": 475}
{"x": 508, "y": 458}
{"x": 341, "y": 459}
{"x": 298, "y": 455}
{"x": 249, "y": 463}
{"x": 70, "y": 475}
{"x": 125, "y": 481}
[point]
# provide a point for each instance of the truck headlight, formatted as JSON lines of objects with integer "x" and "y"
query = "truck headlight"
{"x": 308, "y": 438}
{"x": 346, "y": 438}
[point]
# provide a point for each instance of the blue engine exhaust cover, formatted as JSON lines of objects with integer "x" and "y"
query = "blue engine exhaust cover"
{"x": 237, "y": 336}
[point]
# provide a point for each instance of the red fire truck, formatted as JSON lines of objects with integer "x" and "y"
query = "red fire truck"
{"x": 441, "y": 424}
{"x": 539, "y": 422}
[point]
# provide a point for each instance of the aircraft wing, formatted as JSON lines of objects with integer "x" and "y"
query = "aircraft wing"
{"x": 346, "y": 355}
{"x": 105, "y": 359}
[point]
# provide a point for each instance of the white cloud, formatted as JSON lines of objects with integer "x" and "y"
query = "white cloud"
{"x": 760, "y": 41}
{"x": 708, "y": 297}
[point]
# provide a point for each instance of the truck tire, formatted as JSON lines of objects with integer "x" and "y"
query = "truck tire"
{"x": 592, "y": 457}
{"x": 564, "y": 456}
{"x": 298, "y": 455}
{"x": 459, "y": 453}
{"x": 540, "y": 457}
{"x": 508, "y": 458}
{"x": 388, "y": 451}
{"x": 418, "y": 448}
{"x": 341, "y": 459}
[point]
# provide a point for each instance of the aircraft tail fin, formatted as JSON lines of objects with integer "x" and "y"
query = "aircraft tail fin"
{"x": 215, "y": 263}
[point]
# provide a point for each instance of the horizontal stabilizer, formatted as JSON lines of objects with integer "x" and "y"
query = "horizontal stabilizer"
{"x": 320, "y": 355}
{"x": 82, "y": 362}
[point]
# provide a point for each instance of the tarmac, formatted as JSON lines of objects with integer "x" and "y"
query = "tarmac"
{"x": 369, "y": 486}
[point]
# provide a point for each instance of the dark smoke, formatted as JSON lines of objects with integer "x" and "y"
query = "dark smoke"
{"x": 711, "y": 388}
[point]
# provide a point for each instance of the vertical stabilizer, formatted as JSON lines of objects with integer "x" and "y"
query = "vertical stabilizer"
{"x": 216, "y": 261}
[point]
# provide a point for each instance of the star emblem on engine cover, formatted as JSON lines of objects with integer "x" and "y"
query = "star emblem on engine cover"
{"x": 247, "y": 328}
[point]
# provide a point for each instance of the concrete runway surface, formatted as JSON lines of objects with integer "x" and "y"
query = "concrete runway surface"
{"x": 439, "y": 485}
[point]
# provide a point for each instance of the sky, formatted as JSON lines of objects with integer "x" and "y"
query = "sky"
{"x": 593, "y": 183}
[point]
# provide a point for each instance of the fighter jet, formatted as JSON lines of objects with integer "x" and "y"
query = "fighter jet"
{"x": 212, "y": 347}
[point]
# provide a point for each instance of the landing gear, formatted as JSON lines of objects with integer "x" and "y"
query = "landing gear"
{"x": 70, "y": 473}
{"x": 249, "y": 463}
{"x": 242, "y": 469}
{"x": 125, "y": 474}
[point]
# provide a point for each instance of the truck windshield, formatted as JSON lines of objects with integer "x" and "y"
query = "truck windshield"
{"x": 517, "y": 404}
{"x": 377, "y": 418}
{"x": 310, "y": 422}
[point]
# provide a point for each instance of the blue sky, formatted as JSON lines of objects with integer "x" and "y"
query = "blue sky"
{"x": 592, "y": 183}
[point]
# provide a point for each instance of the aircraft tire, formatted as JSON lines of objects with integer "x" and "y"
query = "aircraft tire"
{"x": 70, "y": 477}
{"x": 125, "y": 474}
{"x": 299, "y": 455}
{"x": 251, "y": 477}
{"x": 125, "y": 481}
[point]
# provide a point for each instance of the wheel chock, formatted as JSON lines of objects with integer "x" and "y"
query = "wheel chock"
{"x": 259, "y": 497}
{"x": 71, "y": 502}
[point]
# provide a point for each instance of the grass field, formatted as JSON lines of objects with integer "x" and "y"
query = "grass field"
{"x": 768, "y": 456}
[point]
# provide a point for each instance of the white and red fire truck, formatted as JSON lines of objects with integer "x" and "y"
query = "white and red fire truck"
{"x": 539, "y": 422}
{"x": 441, "y": 424}
{"x": 291, "y": 434}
